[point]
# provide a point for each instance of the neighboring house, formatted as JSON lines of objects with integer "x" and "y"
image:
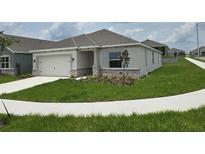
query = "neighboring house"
{"x": 95, "y": 53}
{"x": 195, "y": 52}
{"x": 176, "y": 51}
{"x": 156, "y": 45}
{"x": 16, "y": 58}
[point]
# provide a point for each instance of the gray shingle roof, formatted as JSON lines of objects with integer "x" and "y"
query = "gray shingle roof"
{"x": 153, "y": 44}
{"x": 106, "y": 37}
{"x": 24, "y": 44}
{"x": 100, "y": 37}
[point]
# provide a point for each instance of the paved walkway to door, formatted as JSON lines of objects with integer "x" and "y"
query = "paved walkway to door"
{"x": 197, "y": 62}
{"x": 18, "y": 85}
{"x": 182, "y": 102}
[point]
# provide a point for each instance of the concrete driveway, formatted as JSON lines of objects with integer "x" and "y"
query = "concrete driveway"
{"x": 26, "y": 83}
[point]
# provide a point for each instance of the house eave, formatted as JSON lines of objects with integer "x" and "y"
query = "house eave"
{"x": 93, "y": 47}
{"x": 21, "y": 52}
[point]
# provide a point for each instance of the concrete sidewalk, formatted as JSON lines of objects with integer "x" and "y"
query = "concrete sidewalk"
{"x": 197, "y": 62}
{"x": 18, "y": 85}
{"x": 182, "y": 102}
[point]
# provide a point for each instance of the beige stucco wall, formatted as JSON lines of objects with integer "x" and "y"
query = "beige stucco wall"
{"x": 84, "y": 59}
{"x": 138, "y": 57}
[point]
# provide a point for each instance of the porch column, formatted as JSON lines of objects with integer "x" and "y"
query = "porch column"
{"x": 96, "y": 65}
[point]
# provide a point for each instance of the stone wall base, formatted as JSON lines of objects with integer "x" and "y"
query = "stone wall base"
{"x": 84, "y": 71}
{"x": 8, "y": 71}
{"x": 34, "y": 73}
{"x": 96, "y": 70}
{"x": 81, "y": 72}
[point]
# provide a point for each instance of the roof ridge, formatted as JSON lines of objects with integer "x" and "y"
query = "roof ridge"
{"x": 74, "y": 42}
{"x": 8, "y": 35}
{"x": 94, "y": 42}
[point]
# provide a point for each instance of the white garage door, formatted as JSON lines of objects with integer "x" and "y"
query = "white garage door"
{"x": 55, "y": 65}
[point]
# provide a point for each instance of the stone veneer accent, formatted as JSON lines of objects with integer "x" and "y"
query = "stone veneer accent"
{"x": 84, "y": 71}
{"x": 81, "y": 72}
{"x": 34, "y": 72}
{"x": 96, "y": 70}
{"x": 9, "y": 71}
{"x": 132, "y": 72}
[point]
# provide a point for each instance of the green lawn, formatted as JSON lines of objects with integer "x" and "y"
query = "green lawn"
{"x": 193, "y": 120}
{"x": 7, "y": 78}
{"x": 200, "y": 59}
{"x": 171, "y": 79}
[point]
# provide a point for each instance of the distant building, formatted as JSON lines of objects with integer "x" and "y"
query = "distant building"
{"x": 195, "y": 51}
{"x": 156, "y": 45}
{"x": 176, "y": 51}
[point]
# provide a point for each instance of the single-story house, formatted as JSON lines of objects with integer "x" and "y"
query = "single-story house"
{"x": 156, "y": 45}
{"x": 95, "y": 53}
{"x": 16, "y": 58}
{"x": 196, "y": 53}
{"x": 176, "y": 51}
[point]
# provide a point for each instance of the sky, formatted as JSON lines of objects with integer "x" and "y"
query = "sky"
{"x": 180, "y": 35}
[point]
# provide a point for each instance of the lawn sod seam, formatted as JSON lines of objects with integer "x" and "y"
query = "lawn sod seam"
{"x": 171, "y": 79}
{"x": 192, "y": 120}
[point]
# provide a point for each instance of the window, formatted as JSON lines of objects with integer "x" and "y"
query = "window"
{"x": 115, "y": 60}
{"x": 4, "y": 62}
{"x": 152, "y": 57}
{"x": 145, "y": 57}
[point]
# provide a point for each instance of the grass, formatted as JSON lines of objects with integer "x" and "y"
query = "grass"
{"x": 193, "y": 120}
{"x": 199, "y": 59}
{"x": 170, "y": 79}
{"x": 9, "y": 78}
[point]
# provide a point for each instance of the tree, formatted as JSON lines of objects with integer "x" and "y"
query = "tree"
{"x": 125, "y": 62}
{"x": 125, "y": 59}
{"x": 5, "y": 42}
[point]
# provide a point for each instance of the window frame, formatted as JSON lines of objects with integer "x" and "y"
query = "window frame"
{"x": 152, "y": 57}
{"x": 146, "y": 63}
{"x": 5, "y": 63}
{"x": 115, "y": 59}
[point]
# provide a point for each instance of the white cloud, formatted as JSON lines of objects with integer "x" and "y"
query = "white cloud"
{"x": 181, "y": 33}
{"x": 153, "y": 35}
{"x": 59, "y": 30}
{"x": 11, "y": 28}
{"x": 131, "y": 33}
{"x": 82, "y": 26}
